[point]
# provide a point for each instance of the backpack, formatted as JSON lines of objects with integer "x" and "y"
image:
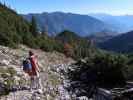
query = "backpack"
{"x": 27, "y": 67}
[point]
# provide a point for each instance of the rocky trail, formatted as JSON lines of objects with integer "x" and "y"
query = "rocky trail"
{"x": 53, "y": 67}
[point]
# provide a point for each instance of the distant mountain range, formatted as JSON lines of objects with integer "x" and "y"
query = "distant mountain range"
{"x": 57, "y": 22}
{"x": 101, "y": 28}
{"x": 121, "y": 23}
{"x": 83, "y": 25}
{"x": 121, "y": 43}
{"x": 102, "y": 36}
{"x": 105, "y": 30}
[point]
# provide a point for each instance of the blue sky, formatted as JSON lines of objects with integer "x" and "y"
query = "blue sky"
{"x": 115, "y": 7}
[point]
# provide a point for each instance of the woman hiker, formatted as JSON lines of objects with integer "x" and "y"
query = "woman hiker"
{"x": 35, "y": 81}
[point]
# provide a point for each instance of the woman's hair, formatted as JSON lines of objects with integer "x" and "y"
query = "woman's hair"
{"x": 31, "y": 53}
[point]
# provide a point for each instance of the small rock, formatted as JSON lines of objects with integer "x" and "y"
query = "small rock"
{"x": 4, "y": 63}
{"x": 82, "y": 98}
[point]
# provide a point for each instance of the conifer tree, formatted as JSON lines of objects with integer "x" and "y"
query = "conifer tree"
{"x": 33, "y": 27}
{"x": 45, "y": 30}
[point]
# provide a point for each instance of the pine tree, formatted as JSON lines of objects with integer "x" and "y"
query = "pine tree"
{"x": 33, "y": 27}
{"x": 45, "y": 30}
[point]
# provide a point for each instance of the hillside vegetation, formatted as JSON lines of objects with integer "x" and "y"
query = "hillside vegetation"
{"x": 122, "y": 43}
{"x": 15, "y": 30}
{"x": 102, "y": 70}
{"x": 76, "y": 46}
{"x": 12, "y": 27}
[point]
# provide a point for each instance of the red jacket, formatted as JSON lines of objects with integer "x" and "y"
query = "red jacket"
{"x": 33, "y": 61}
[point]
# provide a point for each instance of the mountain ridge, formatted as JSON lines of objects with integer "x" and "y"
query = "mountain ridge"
{"x": 120, "y": 23}
{"x": 59, "y": 21}
{"x": 121, "y": 43}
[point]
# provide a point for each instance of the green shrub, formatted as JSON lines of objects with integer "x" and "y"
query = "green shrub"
{"x": 100, "y": 70}
{"x": 9, "y": 82}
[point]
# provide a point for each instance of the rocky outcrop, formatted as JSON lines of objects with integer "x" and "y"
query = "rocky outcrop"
{"x": 15, "y": 83}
